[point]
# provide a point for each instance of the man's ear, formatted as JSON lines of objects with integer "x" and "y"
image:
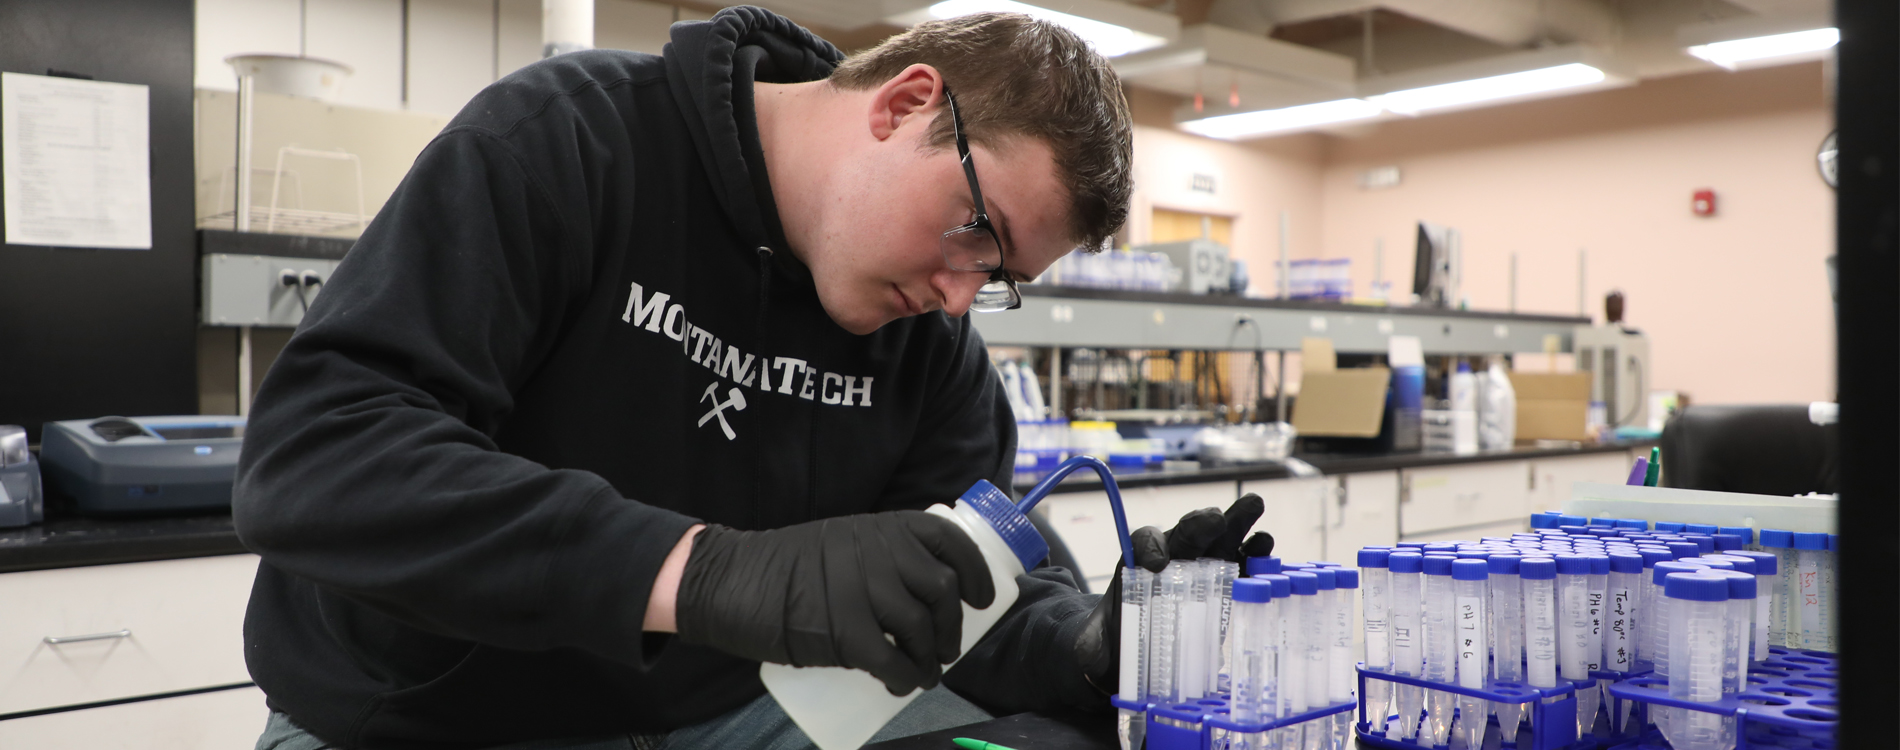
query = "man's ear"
{"x": 915, "y": 92}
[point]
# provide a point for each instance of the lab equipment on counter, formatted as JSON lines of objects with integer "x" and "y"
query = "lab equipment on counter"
{"x": 141, "y": 465}
{"x": 22, "y": 500}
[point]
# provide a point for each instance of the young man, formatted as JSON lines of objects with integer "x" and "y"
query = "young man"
{"x": 654, "y": 345}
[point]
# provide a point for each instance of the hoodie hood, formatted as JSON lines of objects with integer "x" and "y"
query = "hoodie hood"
{"x": 713, "y": 64}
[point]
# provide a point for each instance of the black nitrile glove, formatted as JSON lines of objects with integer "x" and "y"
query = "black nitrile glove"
{"x": 824, "y": 594}
{"x": 1203, "y": 533}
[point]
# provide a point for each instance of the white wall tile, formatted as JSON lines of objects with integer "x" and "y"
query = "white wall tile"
{"x": 451, "y": 53}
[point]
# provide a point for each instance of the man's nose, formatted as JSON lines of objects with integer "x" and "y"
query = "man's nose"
{"x": 958, "y": 289}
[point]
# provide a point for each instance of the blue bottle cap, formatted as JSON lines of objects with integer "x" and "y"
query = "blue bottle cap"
{"x": 1537, "y": 568}
{"x": 1703, "y": 542}
{"x": 1573, "y": 565}
{"x": 1438, "y": 565}
{"x": 1599, "y": 564}
{"x": 1740, "y": 585}
{"x": 1684, "y": 549}
{"x": 1346, "y": 578}
{"x": 1261, "y": 565}
{"x": 1009, "y": 523}
{"x": 1739, "y": 563}
{"x": 1282, "y": 585}
{"x": 1406, "y": 562}
{"x": 1304, "y": 583}
{"x": 1669, "y": 526}
{"x": 1714, "y": 562}
{"x": 1441, "y": 547}
{"x": 1325, "y": 564}
{"x": 1746, "y": 533}
{"x": 1412, "y": 545}
{"x": 1252, "y": 591}
{"x": 1545, "y": 520}
{"x": 1725, "y": 542}
{"x": 1563, "y": 521}
{"x": 1663, "y": 569}
{"x": 1470, "y": 570}
{"x": 1668, "y": 537}
{"x": 1603, "y": 531}
{"x": 1632, "y": 523}
{"x": 1777, "y": 538}
{"x": 1574, "y": 529}
{"x": 1503, "y": 564}
{"x": 1473, "y": 554}
{"x": 1652, "y": 556}
{"x": 1809, "y": 540}
{"x": 1626, "y": 562}
{"x": 1325, "y": 578}
{"x": 1834, "y": 542}
{"x": 1599, "y": 522}
{"x": 1373, "y": 558}
{"x": 1696, "y": 587}
{"x": 1766, "y": 564}
{"x": 1700, "y": 528}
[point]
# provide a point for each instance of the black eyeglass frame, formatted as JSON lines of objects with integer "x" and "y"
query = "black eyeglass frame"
{"x": 981, "y": 221}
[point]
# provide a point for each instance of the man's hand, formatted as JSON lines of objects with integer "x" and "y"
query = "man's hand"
{"x": 1203, "y": 533}
{"x": 825, "y": 594}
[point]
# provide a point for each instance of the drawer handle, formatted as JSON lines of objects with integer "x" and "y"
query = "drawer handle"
{"x": 59, "y": 640}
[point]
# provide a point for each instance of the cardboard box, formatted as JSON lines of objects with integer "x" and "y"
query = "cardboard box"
{"x": 1335, "y": 402}
{"x": 1552, "y": 406}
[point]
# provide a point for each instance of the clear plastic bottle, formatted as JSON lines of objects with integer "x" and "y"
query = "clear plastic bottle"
{"x": 1767, "y": 582}
{"x": 1697, "y": 639}
{"x": 1539, "y": 576}
{"x": 841, "y": 708}
{"x": 1171, "y": 593}
{"x": 1294, "y": 692}
{"x": 1740, "y": 616}
{"x": 1407, "y": 612}
{"x": 1254, "y": 651}
{"x": 1342, "y": 679}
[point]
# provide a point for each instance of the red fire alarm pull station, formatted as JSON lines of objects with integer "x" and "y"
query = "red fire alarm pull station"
{"x": 1704, "y": 203}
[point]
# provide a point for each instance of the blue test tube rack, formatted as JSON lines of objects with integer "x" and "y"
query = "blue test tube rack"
{"x": 1205, "y": 723}
{"x": 1620, "y": 734}
{"x": 1792, "y": 701}
{"x": 1552, "y": 711}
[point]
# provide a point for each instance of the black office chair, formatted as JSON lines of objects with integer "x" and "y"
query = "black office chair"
{"x": 1763, "y": 450}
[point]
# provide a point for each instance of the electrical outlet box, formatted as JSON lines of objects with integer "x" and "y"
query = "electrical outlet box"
{"x": 249, "y": 290}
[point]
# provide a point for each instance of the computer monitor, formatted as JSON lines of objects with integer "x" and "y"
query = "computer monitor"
{"x": 1434, "y": 272}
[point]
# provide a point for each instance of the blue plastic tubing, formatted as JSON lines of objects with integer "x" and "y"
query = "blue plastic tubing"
{"x": 1036, "y": 494}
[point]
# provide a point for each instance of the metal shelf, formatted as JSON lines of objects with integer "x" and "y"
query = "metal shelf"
{"x": 1071, "y": 317}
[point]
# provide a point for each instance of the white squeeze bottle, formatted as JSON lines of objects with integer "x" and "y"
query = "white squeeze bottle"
{"x": 839, "y": 708}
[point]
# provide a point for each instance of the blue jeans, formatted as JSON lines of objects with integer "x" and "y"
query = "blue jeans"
{"x": 759, "y": 725}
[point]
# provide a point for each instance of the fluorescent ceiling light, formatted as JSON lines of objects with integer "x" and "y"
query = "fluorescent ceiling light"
{"x": 1286, "y": 119}
{"x": 1788, "y": 47}
{"x": 1494, "y": 88}
{"x": 1108, "y": 39}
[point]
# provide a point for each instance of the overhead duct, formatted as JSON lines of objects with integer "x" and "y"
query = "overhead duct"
{"x": 1511, "y": 23}
{"x": 1219, "y": 62}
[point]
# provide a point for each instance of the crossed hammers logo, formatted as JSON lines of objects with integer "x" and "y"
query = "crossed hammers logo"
{"x": 734, "y": 399}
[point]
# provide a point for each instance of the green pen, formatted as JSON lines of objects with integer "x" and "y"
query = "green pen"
{"x": 970, "y": 744}
{"x": 1655, "y": 468}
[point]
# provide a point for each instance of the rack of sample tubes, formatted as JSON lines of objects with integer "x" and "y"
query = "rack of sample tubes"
{"x": 1557, "y": 632}
{"x": 1214, "y": 660}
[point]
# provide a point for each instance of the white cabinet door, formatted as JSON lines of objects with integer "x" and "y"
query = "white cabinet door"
{"x": 1458, "y": 502}
{"x": 1551, "y": 478}
{"x": 160, "y": 626}
{"x": 1365, "y": 512}
{"x": 1087, "y": 523}
{"x": 223, "y": 720}
{"x": 1295, "y": 515}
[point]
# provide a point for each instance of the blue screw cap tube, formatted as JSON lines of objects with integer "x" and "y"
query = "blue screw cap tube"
{"x": 1440, "y": 661}
{"x": 1472, "y": 643}
{"x": 1255, "y": 651}
{"x": 1740, "y": 616}
{"x": 1669, "y": 526}
{"x": 1408, "y": 656}
{"x": 1745, "y": 532}
{"x": 1137, "y": 590}
{"x": 1506, "y": 609}
{"x": 1539, "y": 576}
{"x": 1262, "y": 565}
{"x": 1697, "y": 639}
{"x": 1301, "y": 620}
{"x": 1767, "y": 587}
{"x": 1811, "y": 605}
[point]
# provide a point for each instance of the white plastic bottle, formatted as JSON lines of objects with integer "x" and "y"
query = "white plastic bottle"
{"x": 839, "y": 708}
{"x": 1464, "y": 409}
{"x": 1497, "y": 407}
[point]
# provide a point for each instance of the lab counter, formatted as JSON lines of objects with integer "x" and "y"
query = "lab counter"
{"x": 78, "y": 542}
{"x": 1329, "y": 464}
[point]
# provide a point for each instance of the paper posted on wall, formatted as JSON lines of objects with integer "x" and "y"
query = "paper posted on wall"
{"x": 76, "y": 162}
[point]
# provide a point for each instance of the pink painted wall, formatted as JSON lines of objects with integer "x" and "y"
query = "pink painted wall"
{"x": 1736, "y": 305}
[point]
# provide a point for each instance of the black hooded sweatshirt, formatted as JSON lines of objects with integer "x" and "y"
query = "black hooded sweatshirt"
{"x": 572, "y": 333}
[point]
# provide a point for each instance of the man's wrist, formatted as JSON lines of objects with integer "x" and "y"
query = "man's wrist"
{"x": 663, "y": 601}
